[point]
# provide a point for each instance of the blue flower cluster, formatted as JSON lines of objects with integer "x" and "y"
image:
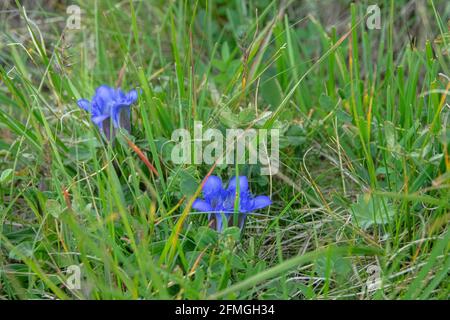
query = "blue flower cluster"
{"x": 219, "y": 202}
{"x": 110, "y": 104}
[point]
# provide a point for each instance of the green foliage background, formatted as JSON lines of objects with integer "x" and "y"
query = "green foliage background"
{"x": 365, "y": 169}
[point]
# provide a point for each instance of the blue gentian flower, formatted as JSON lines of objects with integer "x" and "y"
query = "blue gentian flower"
{"x": 219, "y": 202}
{"x": 110, "y": 104}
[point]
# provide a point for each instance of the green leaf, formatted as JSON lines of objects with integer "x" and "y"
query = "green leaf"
{"x": 205, "y": 236}
{"x": 228, "y": 118}
{"x": 233, "y": 233}
{"x": 326, "y": 102}
{"x": 370, "y": 210}
{"x": 6, "y": 176}
{"x": 336, "y": 263}
{"x": 53, "y": 207}
{"x": 22, "y": 250}
{"x": 188, "y": 184}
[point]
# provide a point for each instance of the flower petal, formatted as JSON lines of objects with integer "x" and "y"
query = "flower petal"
{"x": 261, "y": 202}
{"x": 212, "y": 186}
{"x": 241, "y": 220}
{"x": 201, "y": 205}
{"x": 98, "y": 120}
{"x": 131, "y": 96}
{"x": 84, "y": 104}
{"x": 103, "y": 96}
{"x": 219, "y": 222}
{"x": 124, "y": 120}
{"x": 243, "y": 184}
{"x": 105, "y": 127}
{"x": 116, "y": 111}
{"x": 120, "y": 95}
{"x": 96, "y": 110}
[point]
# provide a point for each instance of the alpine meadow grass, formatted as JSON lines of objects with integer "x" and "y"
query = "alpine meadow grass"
{"x": 354, "y": 203}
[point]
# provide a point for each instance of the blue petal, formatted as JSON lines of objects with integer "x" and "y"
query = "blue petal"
{"x": 242, "y": 218}
{"x": 219, "y": 222}
{"x": 261, "y": 202}
{"x": 84, "y": 104}
{"x": 115, "y": 112}
{"x": 103, "y": 96}
{"x": 212, "y": 186}
{"x": 246, "y": 203}
{"x": 201, "y": 205}
{"x": 98, "y": 120}
{"x": 131, "y": 96}
{"x": 96, "y": 109}
{"x": 243, "y": 184}
{"x": 124, "y": 119}
{"x": 120, "y": 95}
